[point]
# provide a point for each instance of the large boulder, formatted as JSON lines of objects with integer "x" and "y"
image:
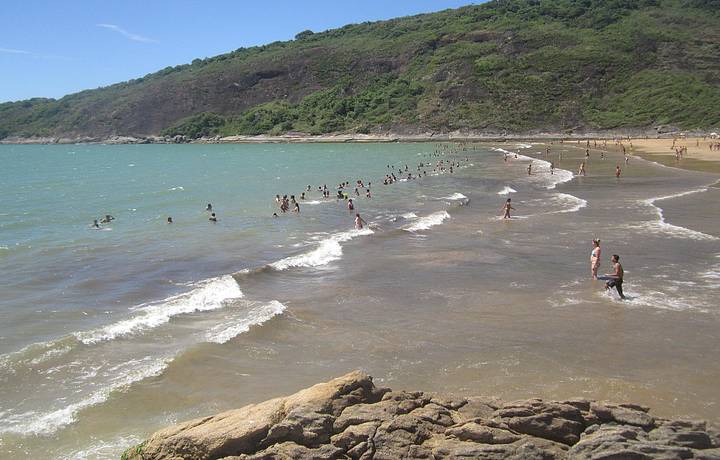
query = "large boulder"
{"x": 349, "y": 418}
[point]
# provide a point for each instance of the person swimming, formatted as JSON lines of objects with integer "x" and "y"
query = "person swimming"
{"x": 95, "y": 224}
{"x": 169, "y": 220}
{"x": 506, "y": 208}
{"x": 209, "y": 208}
{"x": 107, "y": 219}
{"x": 595, "y": 258}
{"x": 213, "y": 218}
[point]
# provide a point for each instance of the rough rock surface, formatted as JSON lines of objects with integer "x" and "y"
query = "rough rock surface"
{"x": 350, "y": 418}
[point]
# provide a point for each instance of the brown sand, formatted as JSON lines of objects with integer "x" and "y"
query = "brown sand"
{"x": 698, "y": 157}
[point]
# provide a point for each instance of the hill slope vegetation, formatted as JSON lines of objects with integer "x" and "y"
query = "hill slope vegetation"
{"x": 506, "y": 65}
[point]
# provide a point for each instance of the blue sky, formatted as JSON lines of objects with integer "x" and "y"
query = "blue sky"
{"x": 55, "y": 47}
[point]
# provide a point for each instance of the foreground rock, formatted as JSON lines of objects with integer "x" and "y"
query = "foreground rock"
{"x": 350, "y": 418}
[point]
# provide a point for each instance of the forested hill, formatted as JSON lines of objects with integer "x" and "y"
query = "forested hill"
{"x": 505, "y": 65}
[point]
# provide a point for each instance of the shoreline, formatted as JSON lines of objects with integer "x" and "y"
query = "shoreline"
{"x": 457, "y": 136}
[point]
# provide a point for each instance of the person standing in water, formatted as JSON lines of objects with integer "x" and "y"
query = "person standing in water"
{"x": 581, "y": 171}
{"x": 529, "y": 169}
{"x": 209, "y": 208}
{"x": 506, "y": 208}
{"x": 359, "y": 222}
{"x": 616, "y": 278}
{"x": 213, "y": 218}
{"x": 618, "y": 171}
{"x": 552, "y": 168}
{"x": 595, "y": 258}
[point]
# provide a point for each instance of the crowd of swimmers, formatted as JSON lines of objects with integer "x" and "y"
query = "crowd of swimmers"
{"x": 348, "y": 191}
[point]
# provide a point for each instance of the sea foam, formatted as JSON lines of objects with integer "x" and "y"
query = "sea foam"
{"x": 661, "y": 227}
{"x": 256, "y": 315}
{"x": 455, "y": 197}
{"x": 46, "y": 423}
{"x": 431, "y": 220}
{"x": 210, "y": 294}
{"x": 329, "y": 250}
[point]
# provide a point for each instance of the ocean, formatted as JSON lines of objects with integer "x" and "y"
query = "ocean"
{"x": 109, "y": 334}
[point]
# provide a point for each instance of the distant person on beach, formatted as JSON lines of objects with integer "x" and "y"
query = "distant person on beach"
{"x": 581, "y": 171}
{"x": 595, "y": 258}
{"x": 616, "y": 278}
{"x": 213, "y": 218}
{"x": 506, "y": 208}
{"x": 359, "y": 222}
{"x": 618, "y": 171}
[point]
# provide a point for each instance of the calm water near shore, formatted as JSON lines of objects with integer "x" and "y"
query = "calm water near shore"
{"x": 107, "y": 335}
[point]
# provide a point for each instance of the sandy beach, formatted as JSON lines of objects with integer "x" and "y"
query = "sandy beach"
{"x": 699, "y": 156}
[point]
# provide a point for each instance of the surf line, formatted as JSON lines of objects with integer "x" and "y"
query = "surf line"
{"x": 560, "y": 177}
{"x": 661, "y": 226}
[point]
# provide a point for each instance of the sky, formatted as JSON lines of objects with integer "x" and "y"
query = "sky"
{"x": 50, "y": 48}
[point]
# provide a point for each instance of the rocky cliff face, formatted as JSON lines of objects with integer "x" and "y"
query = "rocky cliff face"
{"x": 350, "y": 418}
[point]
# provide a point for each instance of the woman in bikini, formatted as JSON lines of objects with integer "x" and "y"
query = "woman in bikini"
{"x": 595, "y": 258}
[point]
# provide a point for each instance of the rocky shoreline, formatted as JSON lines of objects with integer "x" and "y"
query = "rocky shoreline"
{"x": 350, "y": 418}
{"x": 456, "y": 136}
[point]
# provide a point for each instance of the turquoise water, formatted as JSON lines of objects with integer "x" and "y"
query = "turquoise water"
{"x": 53, "y": 194}
{"x": 156, "y": 323}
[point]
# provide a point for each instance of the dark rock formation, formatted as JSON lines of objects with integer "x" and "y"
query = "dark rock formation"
{"x": 349, "y": 418}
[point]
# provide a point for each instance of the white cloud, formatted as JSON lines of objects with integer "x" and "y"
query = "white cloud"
{"x": 31, "y": 54}
{"x": 13, "y": 51}
{"x": 126, "y": 34}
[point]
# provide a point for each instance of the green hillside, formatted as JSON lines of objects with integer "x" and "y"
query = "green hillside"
{"x": 506, "y": 65}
